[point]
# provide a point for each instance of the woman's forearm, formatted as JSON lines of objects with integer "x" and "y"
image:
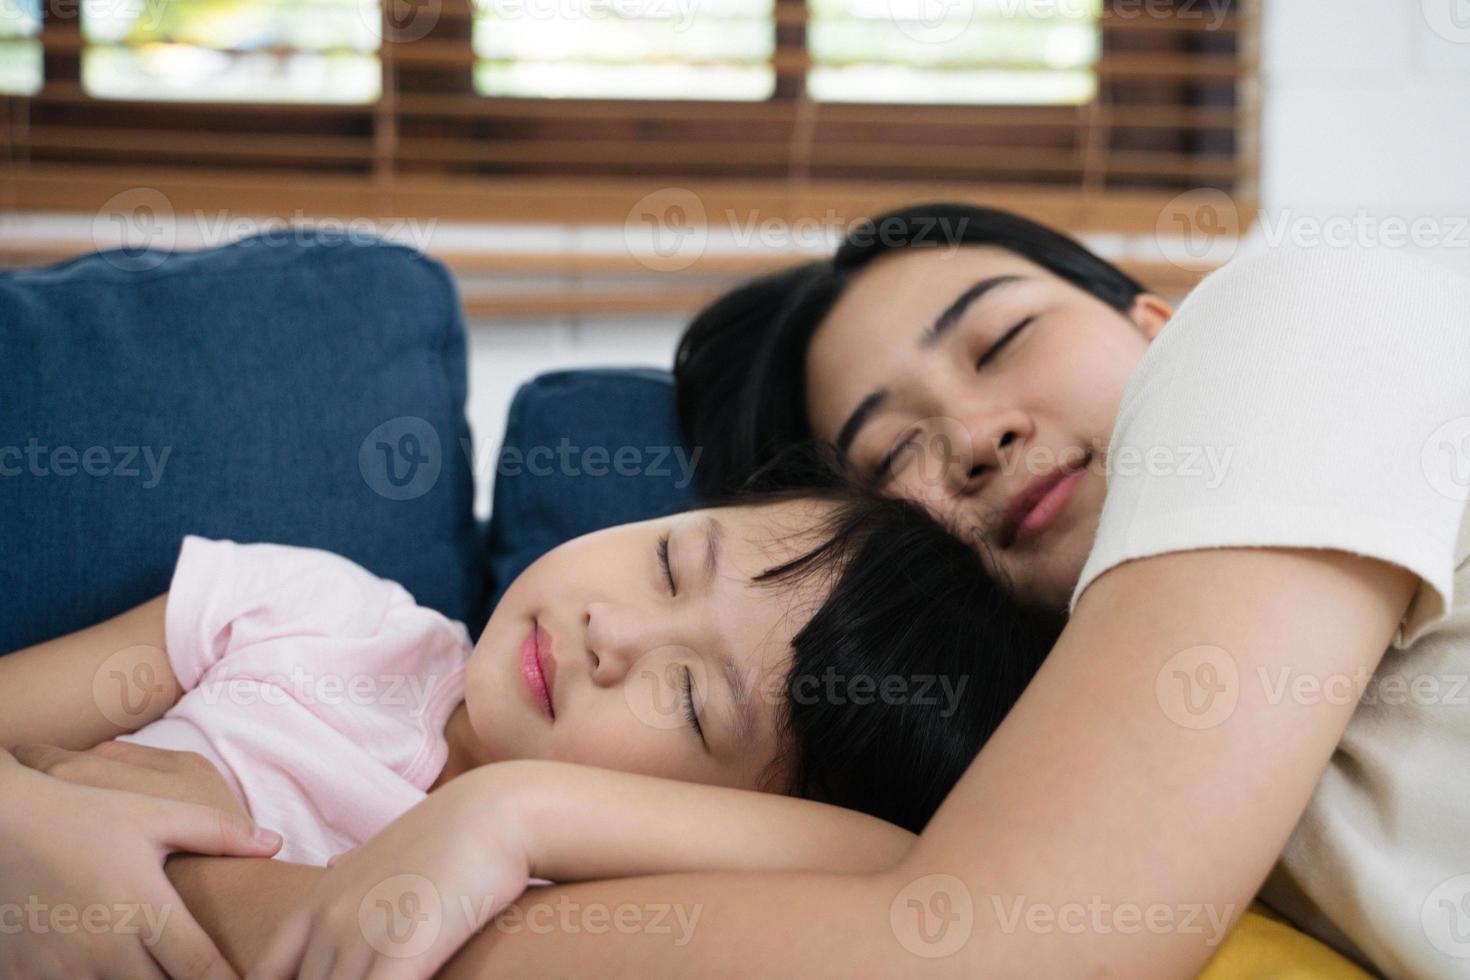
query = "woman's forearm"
{"x": 674, "y": 925}
{"x": 91, "y": 685}
{"x": 754, "y": 924}
{"x": 582, "y": 823}
{"x": 240, "y": 901}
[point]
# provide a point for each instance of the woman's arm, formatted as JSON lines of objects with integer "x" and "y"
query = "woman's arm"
{"x": 471, "y": 848}
{"x": 1095, "y": 834}
{"x": 82, "y": 887}
{"x": 91, "y": 685}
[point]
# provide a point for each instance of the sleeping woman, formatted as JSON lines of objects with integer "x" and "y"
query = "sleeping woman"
{"x": 1060, "y": 416}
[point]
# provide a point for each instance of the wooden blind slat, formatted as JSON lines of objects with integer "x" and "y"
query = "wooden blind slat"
{"x": 1175, "y": 109}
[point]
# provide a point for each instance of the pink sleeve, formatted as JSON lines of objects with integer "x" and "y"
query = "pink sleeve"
{"x": 227, "y": 597}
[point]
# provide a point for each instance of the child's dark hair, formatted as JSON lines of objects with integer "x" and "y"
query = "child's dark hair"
{"x": 740, "y": 370}
{"x": 911, "y": 661}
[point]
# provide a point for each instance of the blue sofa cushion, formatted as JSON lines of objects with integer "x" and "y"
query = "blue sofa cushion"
{"x": 299, "y": 387}
{"x": 585, "y": 450}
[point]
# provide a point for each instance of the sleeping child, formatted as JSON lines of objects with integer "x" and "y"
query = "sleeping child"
{"x": 829, "y": 646}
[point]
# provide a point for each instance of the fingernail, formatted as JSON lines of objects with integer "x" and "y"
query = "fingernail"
{"x": 267, "y": 838}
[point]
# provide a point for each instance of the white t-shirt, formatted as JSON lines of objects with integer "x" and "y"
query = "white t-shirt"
{"x": 1333, "y": 388}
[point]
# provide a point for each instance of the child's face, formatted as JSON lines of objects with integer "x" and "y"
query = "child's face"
{"x": 969, "y": 425}
{"x": 680, "y": 681}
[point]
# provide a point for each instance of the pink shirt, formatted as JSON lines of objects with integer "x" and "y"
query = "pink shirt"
{"x": 318, "y": 690}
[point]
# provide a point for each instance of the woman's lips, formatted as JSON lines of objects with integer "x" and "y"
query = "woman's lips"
{"x": 1046, "y": 509}
{"x": 538, "y": 669}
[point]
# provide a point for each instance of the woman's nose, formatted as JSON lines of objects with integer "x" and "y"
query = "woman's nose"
{"x": 988, "y": 440}
{"x": 950, "y": 453}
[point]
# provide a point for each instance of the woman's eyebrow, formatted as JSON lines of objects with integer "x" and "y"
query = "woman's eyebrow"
{"x": 945, "y": 321}
{"x": 859, "y": 418}
{"x": 931, "y": 336}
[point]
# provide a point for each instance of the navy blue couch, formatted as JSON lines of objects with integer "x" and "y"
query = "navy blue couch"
{"x": 304, "y": 388}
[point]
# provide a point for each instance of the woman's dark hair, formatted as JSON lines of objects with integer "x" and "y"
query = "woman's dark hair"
{"x": 740, "y": 369}
{"x": 911, "y": 661}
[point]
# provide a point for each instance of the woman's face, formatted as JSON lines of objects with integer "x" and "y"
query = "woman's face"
{"x": 648, "y": 648}
{"x": 986, "y": 387}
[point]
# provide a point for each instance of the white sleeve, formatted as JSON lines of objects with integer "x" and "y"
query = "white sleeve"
{"x": 1309, "y": 398}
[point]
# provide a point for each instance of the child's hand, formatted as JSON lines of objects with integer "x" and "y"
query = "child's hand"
{"x": 399, "y": 906}
{"x": 184, "y": 776}
{"x": 84, "y": 866}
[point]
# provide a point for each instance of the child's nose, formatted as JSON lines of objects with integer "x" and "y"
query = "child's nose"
{"x": 616, "y": 638}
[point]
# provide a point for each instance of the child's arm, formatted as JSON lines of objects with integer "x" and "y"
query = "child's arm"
{"x": 91, "y": 685}
{"x": 580, "y": 823}
{"x": 467, "y": 851}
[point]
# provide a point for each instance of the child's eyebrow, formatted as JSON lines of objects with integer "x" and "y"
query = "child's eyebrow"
{"x": 744, "y": 707}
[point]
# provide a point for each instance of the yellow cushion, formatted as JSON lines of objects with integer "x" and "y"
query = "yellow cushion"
{"x": 1262, "y": 947}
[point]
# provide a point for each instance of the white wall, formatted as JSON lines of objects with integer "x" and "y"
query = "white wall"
{"x": 1366, "y": 121}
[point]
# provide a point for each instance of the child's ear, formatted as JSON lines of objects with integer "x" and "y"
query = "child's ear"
{"x": 1150, "y": 313}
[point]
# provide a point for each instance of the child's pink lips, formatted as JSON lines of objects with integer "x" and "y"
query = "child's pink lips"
{"x": 538, "y": 669}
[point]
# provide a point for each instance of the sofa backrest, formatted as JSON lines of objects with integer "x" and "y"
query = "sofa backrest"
{"x": 299, "y": 386}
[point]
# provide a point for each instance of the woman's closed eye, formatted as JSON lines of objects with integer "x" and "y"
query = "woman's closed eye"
{"x": 886, "y": 465}
{"x": 1005, "y": 338}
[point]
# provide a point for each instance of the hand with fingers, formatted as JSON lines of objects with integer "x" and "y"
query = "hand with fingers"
{"x": 400, "y": 905}
{"x": 84, "y": 863}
